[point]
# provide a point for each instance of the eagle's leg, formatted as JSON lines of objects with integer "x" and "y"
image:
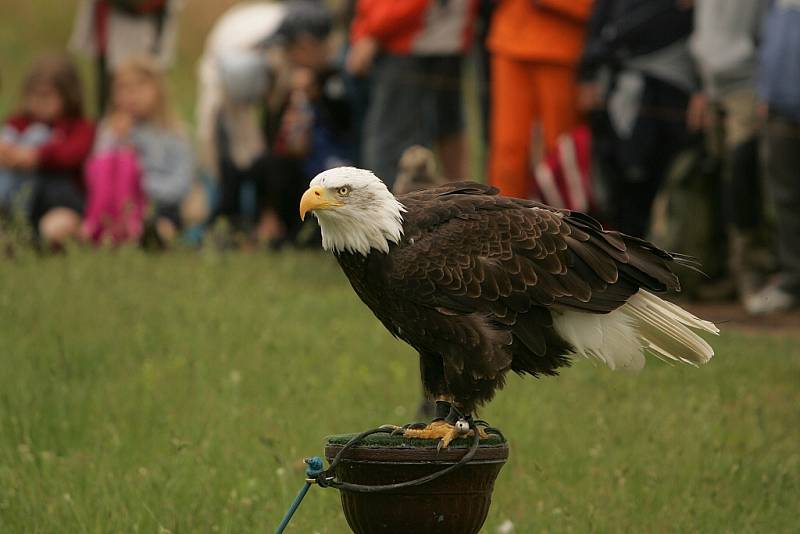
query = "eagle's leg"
{"x": 450, "y": 423}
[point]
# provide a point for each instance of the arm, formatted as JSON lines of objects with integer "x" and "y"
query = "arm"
{"x": 380, "y": 19}
{"x": 574, "y": 9}
{"x": 169, "y": 174}
{"x": 68, "y": 150}
{"x": 594, "y": 56}
{"x": 112, "y": 132}
{"x": 7, "y": 136}
{"x": 375, "y": 22}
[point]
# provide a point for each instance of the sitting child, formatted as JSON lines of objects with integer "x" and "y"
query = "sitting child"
{"x": 43, "y": 148}
{"x": 141, "y": 167}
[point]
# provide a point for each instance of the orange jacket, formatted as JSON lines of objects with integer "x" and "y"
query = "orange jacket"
{"x": 421, "y": 27}
{"x": 540, "y": 30}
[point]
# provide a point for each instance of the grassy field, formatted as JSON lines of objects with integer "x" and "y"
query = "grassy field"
{"x": 178, "y": 393}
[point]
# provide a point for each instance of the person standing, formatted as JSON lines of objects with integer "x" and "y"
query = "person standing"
{"x": 724, "y": 45}
{"x": 779, "y": 90}
{"x": 535, "y": 48}
{"x": 413, "y": 50}
{"x": 637, "y": 77}
{"x": 113, "y": 31}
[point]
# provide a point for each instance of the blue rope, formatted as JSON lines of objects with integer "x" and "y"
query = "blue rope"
{"x": 314, "y": 468}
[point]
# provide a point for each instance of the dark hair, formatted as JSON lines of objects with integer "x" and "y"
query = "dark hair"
{"x": 305, "y": 17}
{"x": 58, "y": 71}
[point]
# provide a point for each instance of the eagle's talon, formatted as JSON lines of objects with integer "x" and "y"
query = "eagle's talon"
{"x": 454, "y": 433}
{"x": 444, "y": 432}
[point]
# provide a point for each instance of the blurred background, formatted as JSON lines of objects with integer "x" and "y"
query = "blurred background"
{"x": 41, "y": 27}
{"x": 671, "y": 120}
{"x": 158, "y": 292}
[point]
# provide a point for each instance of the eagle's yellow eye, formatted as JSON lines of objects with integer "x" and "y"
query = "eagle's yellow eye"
{"x": 343, "y": 191}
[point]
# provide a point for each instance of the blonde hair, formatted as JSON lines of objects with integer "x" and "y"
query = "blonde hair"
{"x": 147, "y": 68}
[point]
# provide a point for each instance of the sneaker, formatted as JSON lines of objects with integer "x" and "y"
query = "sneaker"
{"x": 771, "y": 299}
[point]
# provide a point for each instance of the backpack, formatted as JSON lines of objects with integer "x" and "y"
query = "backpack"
{"x": 115, "y": 200}
{"x": 563, "y": 179}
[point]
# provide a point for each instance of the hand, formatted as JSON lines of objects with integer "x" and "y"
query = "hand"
{"x": 589, "y": 97}
{"x": 762, "y": 110}
{"x": 5, "y": 151}
{"x": 697, "y": 113}
{"x": 303, "y": 79}
{"x": 361, "y": 56}
{"x": 23, "y": 157}
{"x": 296, "y": 126}
{"x": 120, "y": 124}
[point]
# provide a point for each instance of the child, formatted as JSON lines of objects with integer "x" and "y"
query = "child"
{"x": 141, "y": 131}
{"x": 42, "y": 150}
{"x": 309, "y": 134}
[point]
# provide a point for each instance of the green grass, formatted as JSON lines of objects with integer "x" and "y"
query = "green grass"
{"x": 179, "y": 393}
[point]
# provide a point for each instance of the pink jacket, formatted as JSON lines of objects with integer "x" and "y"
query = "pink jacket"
{"x": 115, "y": 201}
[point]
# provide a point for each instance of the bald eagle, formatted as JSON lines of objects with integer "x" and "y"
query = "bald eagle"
{"x": 481, "y": 284}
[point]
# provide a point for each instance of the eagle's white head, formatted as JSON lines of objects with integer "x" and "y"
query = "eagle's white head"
{"x": 355, "y": 209}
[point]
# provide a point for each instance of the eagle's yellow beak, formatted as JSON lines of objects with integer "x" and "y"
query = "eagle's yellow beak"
{"x": 316, "y": 198}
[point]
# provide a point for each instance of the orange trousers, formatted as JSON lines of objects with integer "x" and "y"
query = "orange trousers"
{"x": 524, "y": 93}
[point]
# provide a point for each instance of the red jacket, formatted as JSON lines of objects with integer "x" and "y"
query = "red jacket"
{"x": 420, "y": 27}
{"x": 68, "y": 147}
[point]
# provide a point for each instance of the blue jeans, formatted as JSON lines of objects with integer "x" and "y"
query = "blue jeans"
{"x": 16, "y": 187}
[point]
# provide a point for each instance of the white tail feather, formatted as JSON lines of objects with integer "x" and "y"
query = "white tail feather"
{"x": 646, "y": 323}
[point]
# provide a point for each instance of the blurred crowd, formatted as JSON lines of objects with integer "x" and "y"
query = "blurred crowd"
{"x": 675, "y": 120}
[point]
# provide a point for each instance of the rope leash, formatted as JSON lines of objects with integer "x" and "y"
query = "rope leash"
{"x": 327, "y": 478}
{"x": 314, "y": 468}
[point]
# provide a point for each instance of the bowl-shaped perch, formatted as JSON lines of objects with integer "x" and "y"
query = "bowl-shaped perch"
{"x": 456, "y": 503}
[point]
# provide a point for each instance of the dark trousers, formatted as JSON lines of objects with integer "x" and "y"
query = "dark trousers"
{"x": 231, "y": 181}
{"x": 742, "y": 196}
{"x": 279, "y": 183}
{"x": 633, "y": 169}
{"x": 782, "y": 146}
{"x": 283, "y": 184}
{"x": 739, "y": 128}
{"x": 414, "y": 100}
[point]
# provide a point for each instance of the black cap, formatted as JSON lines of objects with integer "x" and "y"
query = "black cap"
{"x": 305, "y": 17}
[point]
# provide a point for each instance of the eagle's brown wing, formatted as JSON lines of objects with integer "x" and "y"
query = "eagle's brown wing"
{"x": 472, "y": 259}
